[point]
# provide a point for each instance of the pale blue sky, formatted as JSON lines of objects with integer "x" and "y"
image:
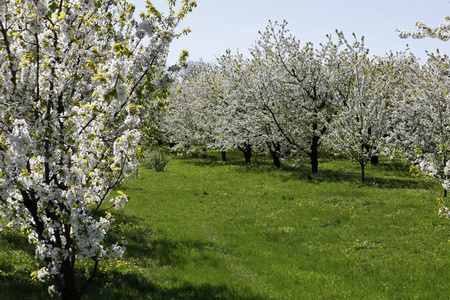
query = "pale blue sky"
{"x": 218, "y": 25}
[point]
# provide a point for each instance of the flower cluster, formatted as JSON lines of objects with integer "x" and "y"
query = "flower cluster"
{"x": 442, "y": 31}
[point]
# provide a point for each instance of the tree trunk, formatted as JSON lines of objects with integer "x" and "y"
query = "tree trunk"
{"x": 362, "y": 172}
{"x": 446, "y": 177}
{"x": 247, "y": 150}
{"x": 276, "y": 159}
{"x": 274, "y": 149}
{"x": 204, "y": 152}
{"x": 314, "y": 154}
{"x": 248, "y": 153}
{"x": 224, "y": 156}
{"x": 374, "y": 160}
{"x": 65, "y": 282}
{"x": 171, "y": 145}
{"x": 70, "y": 290}
{"x": 70, "y": 295}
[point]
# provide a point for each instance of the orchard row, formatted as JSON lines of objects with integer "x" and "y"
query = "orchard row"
{"x": 288, "y": 98}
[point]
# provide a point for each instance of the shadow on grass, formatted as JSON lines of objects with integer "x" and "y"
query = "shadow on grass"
{"x": 125, "y": 188}
{"x": 16, "y": 265}
{"x": 124, "y": 286}
{"x": 155, "y": 245}
{"x": 15, "y": 240}
{"x": 135, "y": 286}
{"x": 213, "y": 158}
{"x": 354, "y": 177}
{"x": 395, "y": 183}
{"x": 398, "y": 173}
{"x": 15, "y": 287}
{"x": 164, "y": 251}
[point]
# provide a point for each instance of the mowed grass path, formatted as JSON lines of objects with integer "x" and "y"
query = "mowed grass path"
{"x": 210, "y": 230}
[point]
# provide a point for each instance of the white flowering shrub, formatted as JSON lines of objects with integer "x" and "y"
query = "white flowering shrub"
{"x": 73, "y": 76}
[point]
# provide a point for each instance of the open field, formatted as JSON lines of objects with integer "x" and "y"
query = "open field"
{"x": 211, "y": 230}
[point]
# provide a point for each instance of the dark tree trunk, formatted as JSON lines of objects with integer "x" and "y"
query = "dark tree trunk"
{"x": 69, "y": 295}
{"x": 276, "y": 159}
{"x": 445, "y": 178}
{"x": 65, "y": 284}
{"x": 362, "y": 172}
{"x": 314, "y": 154}
{"x": 204, "y": 152}
{"x": 248, "y": 153}
{"x": 70, "y": 290}
{"x": 171, "y": 145}
{"x": 247, "y": 150}
{"x": 374, "y": 160}
{"x": 224, "y": 156}
{"x": 274, "y": 149}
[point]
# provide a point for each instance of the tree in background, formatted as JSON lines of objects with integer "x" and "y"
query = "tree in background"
{"x": 191, "y": 116}
{"x": 242, "y": 124}
{"x": 431, "y": 133}
{"x": 358, "y": 131}
{"x": 405, "y": 131}
{"x": 74, "y": 84}
{"x": 433, "y": 103}
{"x": 258, "y": 94}
{"x": 299, "y": 81}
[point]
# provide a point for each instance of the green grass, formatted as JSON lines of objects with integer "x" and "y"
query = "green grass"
{"x": 211, "y": 230}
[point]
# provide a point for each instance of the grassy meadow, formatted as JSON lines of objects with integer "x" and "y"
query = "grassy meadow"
{"x": 204, "y": 229}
